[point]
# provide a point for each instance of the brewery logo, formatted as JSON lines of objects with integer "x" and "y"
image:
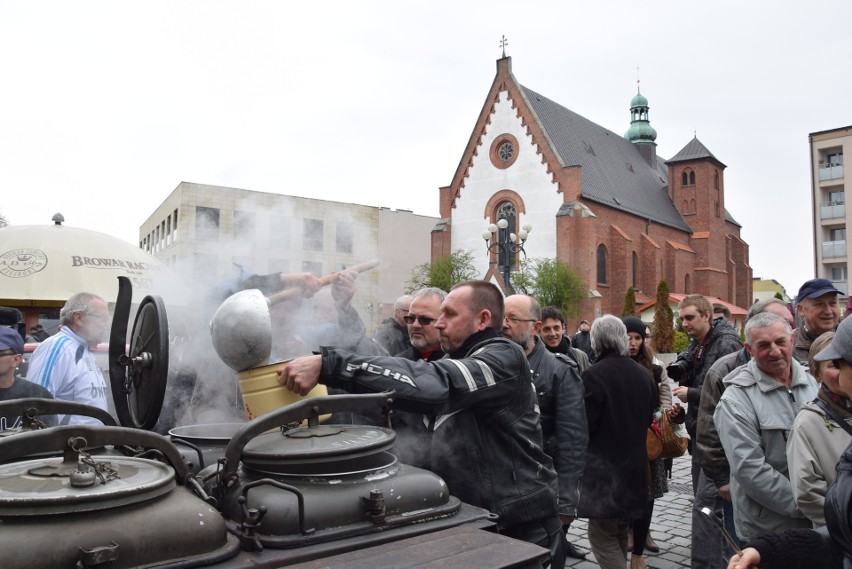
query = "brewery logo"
{"x": 22, "y": 262}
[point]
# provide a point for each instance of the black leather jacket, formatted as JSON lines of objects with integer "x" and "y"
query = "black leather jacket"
{"x": 563, "y": 420}
{"x": 486, "y": 436}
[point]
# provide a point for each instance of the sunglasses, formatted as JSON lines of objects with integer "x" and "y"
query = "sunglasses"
{"x": 423, "y": 320}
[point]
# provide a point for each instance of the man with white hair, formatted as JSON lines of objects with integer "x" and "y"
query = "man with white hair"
{"x": 392, "y": 335}
{"x": 753, "y": 417}
{"x": 63, "y": 363}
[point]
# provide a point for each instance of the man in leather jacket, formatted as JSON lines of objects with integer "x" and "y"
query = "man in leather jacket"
{"x": 486, "y": 436}
{"x": 560, "y": 400}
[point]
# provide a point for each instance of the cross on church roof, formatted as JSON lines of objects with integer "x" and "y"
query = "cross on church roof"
{"x": 503, "y": 43}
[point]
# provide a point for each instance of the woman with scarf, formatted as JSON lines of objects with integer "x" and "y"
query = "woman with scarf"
{"x": 828, "y": 546}
{"x": 642, "y": 354}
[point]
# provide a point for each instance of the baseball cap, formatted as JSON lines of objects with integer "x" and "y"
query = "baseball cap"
{"x": 840, "y": 346}
{"x": 815, "y": 288}
{"x": 11, "y": 340}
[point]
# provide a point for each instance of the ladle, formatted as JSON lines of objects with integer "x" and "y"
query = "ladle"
{"x": 241, "y": 328}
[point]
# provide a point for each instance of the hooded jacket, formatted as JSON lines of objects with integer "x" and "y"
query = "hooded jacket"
{"x": 486, "y": 437}
{"x": 816, "y": 444}
{"x": 754, "y": 418}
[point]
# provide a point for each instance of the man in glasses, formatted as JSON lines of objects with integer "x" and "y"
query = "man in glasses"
{"x": 63, "y": 363}
{"x": 560, "y": 400}
{"x": 485, "y": 435}
{"x": 11, "y": 355}
{"x": 412, "y": 429}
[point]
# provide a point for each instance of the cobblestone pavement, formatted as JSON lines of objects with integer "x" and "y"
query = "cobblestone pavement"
{"x": 671, "y": 525}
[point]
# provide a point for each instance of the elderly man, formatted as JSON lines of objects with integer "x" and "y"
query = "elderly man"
{"x": 63, "y": 363}
{"x": 560, "y": 400}
{"x": 11, "y": 354}
{"x": 412, "y": 429}
{"x": 714, "y": 487}
{"x": 816, "y": 304}
{"x": 392, "y": 335}
{"x": 753, "y": 418}
{"x": 486, "y": 437}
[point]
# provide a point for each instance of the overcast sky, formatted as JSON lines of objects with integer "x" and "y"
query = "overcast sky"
{"x": 105, "y": 107}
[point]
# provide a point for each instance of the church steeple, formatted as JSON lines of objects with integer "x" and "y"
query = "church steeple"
{"x": 641, "y": 133}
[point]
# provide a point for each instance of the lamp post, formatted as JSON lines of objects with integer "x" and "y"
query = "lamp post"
{"x": 499, "y": 240}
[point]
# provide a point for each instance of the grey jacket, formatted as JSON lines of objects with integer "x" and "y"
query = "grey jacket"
{"x": 754, "y": 417}
{"x": 707, "y": 446}
{"x": 563, "y": 420}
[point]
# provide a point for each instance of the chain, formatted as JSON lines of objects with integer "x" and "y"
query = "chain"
{"x": 103, "y": 470}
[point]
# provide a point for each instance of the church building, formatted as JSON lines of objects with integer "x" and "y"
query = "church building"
{"x": 607, "y": 204}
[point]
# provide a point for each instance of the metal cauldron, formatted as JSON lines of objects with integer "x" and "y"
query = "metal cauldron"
{"x": 81, "y": 510}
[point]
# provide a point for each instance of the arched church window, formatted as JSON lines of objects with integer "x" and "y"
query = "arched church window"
{"x": 692, "y": 178}
{"x": 506, "y": 210}
{"x": 684, "y": 179}
{"x": 635, "y": 268}
{"x": 601, "y": 264}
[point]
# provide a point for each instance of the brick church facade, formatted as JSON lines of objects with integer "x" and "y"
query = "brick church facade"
{"x": 603, "y": 202}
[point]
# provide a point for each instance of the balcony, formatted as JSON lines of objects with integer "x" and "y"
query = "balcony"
{"x": 831, "y": 249}
{"x": 832, "y": 210}
{"x": 830, "y": 172}
{"x": 842, "y": 286}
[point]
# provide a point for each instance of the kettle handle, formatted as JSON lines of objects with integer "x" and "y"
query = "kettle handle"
{"x": 309, "y": 409}
{"x": 57, "y": 439}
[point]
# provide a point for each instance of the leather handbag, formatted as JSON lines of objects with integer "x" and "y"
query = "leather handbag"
{"x": 653, "y": 443}
{"x": 672, "y": 445}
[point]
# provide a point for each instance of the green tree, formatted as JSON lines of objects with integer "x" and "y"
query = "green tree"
{"x": 552, "y": 283}
{"x": 629, "y": 303}
{"x": 681, "y": 342}
{"x": 443, "y": 272}
{"x": 662, "y": 332}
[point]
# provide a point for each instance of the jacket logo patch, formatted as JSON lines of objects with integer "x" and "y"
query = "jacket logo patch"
{"x": 385, "y": 372}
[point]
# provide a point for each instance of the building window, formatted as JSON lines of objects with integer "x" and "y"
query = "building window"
{"x": 684, "y": 179}
{"x": 716, "y": 179}
{"x": 279, "y": 232}
{"x": 507, "y": 211}
{"x": 279, "y": 266}
{"x": 601, "y": 264}
{"x": 837, "y": 198}
{"x": 635, "y": 268}
{"x": 343, "y": 237}
{"x": 313, "y": 267}
{"x": 691, "y": 178}
{"x": 206, "y": 223}
{"x": 244, "y": 224}
{"x": 837, "y": 234}
{"x": 312, "y": 234}
{"x": 504, "y": 151}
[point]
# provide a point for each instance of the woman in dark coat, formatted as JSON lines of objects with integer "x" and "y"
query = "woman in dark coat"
{"x": 620, "y": 402}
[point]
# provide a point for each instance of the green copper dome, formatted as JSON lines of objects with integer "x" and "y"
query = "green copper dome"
{"x": 638, "y": 101}
{"x": 640, "y": 130}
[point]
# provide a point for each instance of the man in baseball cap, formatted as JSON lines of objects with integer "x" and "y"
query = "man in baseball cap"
{"x": 816, "y": 305}
{"x": 11, "y": 354}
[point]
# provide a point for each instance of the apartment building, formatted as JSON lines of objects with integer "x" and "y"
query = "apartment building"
{"x": 828, "y": 195}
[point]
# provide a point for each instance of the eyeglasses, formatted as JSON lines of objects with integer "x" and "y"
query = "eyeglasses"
{"x": 423, "y": 320}
{"x": 515, "y": 319}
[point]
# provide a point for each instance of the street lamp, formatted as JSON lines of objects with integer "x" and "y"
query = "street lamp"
{"x": 500, "y": 241}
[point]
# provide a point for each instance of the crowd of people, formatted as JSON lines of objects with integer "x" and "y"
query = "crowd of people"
{"x": 542, "y": 427}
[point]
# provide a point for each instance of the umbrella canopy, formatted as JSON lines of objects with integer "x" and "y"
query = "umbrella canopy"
{"x": 43, "y": 265}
